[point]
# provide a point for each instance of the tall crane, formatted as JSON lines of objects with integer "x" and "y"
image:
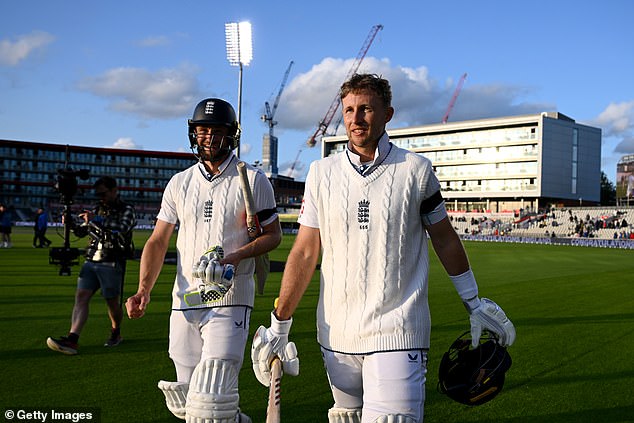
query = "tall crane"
{"x": 292, "y": 168}
{"x": 325, "y": 122}
{"x": 453, "y": 98}
{"x": 270, "y": 112}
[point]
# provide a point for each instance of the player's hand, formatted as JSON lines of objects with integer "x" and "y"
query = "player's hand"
{"x": 271, "y": 342}
{"x": 136, "y": 305}
{"x": 215, "y": 273}
{"x": 203, "y": 268}
{"x": 487, "y": 315}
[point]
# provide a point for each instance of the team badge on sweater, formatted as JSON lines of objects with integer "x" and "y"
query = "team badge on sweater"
{"x": 363, "y": 214}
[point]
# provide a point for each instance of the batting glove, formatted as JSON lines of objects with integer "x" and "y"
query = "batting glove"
{"x": 487, "y": 315}
{"x": 269, "y": 343}
{"x": 209, "y": 269}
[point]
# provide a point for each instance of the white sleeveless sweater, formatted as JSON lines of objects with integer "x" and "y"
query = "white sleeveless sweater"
{"x": 374, "y": 268}
{"x": 208, "y": 213}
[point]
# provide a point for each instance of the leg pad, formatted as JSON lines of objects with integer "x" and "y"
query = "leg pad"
{"x": 344, "y": 415}
{"x": 175, "y": 396}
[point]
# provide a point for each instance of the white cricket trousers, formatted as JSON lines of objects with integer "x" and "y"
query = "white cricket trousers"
{"x": 195, "y": 335}
{"x": 381, "y": 383}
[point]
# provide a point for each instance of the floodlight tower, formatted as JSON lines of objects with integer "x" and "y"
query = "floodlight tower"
{"x": 239, "y": 53}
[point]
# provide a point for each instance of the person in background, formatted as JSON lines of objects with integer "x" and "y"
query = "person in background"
{"x": 41, "y": 225}
{"x": 6, "y": 223}
{"x": 109, "y": 226}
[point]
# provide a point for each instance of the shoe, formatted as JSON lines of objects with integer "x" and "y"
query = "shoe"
{"x": 113, "y": 341}
{"x": 62, "y": 345}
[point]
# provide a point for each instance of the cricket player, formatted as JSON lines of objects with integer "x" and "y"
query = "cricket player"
{"x": 368, "y": 212}
{"x": 214, "y": 287}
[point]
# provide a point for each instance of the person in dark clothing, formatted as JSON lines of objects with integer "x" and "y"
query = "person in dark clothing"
{"x": 109, "y": 226}
{"x": 41, "y": 225}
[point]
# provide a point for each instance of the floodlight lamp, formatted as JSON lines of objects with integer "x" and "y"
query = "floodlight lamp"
{"x": 239, "y": 44}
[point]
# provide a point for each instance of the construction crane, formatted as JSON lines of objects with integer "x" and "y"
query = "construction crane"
{"x": 270, "y": 112}
{"x": 325, "y": 122}
{"x": 453, "y": 98}
{"x": 292, "y": 168}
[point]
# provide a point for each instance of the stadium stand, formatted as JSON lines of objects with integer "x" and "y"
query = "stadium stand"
{"x": 598, "y": 222}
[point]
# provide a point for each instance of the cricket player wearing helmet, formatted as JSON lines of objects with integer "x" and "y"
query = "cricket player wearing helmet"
{"x": 214, "y": 288}
{"x": 368, "y": 212}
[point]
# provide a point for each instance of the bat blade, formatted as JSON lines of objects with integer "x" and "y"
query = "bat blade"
{"x": 252, "y": 223}
{"x": 273, "y": 409}
{"x": 262, "y": 264}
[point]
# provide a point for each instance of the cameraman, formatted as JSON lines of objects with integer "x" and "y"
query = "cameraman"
{"x": 109, "y": 226}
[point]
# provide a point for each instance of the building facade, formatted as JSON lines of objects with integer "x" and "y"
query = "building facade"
{"x": 269, "y": 155}
{"x": 625, "y": 180}
{"x": 508, "y": 163}
{"x": 31, "y": 173}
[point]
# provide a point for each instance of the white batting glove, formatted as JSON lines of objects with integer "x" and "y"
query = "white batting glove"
{"x": 209, "y": 269}
{"x": 487, "y": 315}
{"x": 200, "y": 267}
{"x": 271, "y": 342}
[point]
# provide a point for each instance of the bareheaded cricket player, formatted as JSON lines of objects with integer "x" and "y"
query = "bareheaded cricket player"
{"x": 368, "y": 213}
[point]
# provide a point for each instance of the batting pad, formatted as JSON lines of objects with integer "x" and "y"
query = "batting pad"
{"x": 213, "y": 393}
{"x": 175, "y": 396}
{"x": 344, "y": 415}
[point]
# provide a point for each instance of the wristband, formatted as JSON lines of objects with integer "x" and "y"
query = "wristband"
{"x": 466, "y": 285}
{"x": 280, "y": 326}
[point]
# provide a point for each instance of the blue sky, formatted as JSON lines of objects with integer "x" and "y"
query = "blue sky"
{"x": 128, "y": 74}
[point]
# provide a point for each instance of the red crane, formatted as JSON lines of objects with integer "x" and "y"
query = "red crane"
{"x": 325, "y": 122}
{"x": 453, "y": 99}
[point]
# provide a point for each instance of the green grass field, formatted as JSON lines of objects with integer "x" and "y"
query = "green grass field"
{"x": 573, "y": 360}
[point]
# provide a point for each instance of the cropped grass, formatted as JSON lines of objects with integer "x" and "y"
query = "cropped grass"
{"x": 573, "y": 359}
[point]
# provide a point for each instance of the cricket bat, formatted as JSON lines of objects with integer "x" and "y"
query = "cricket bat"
{"x": 253, "y": 227}
{"x": 273, "y": 408}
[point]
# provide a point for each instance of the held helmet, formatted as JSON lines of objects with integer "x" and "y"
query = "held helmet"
{"x": 473, "y": 376}
{"x": 214, "y": 111}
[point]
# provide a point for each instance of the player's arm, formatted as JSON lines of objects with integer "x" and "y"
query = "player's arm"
{"x": 269, "y": 239}
{"x": 448, "y": 247}
{"x": 484, "y": 313}
{"x": 269, "y": 234}
{"x": 298, "y": 271}
{"x": 272, "y": 342}
{"x": 150, "y": 267}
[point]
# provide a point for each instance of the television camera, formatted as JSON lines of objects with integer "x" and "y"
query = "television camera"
{"x": 66, "y": 184}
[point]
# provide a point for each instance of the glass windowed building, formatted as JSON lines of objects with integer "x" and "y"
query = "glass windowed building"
{"x": 29, "y": 172}
{"x": 508, "y": 163}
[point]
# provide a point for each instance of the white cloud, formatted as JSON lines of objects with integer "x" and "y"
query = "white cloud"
{"x": 417, "y": 97}
{"x": 245, "y": 148}
{"x": 294, "y": 171}
{"x": 14, "y": 52}
{"x": 617, "y": 119}
{"x": 163, "y": 94}
{"x": 126, "y": 143}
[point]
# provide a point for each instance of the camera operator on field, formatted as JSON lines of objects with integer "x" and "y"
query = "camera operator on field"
{"x": 109, "y": 226}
